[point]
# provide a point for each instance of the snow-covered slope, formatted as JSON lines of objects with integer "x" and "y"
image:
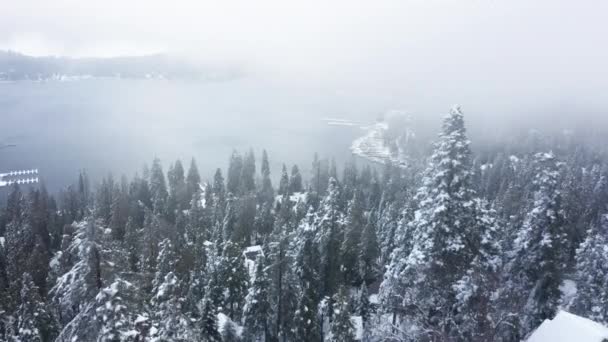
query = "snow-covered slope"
{"x": 387, "y": 140}
{"x": 566, "y": 327}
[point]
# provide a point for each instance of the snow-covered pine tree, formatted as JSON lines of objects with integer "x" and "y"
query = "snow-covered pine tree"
{"x": 479, "y": 313}
{"x": 247, "y": 182}
{"x": 264, "y": 221}
{"x": 208, "y": 322}
{"x": 219, "y": 192}
{"x": 76, "y": 288}
{"x": 234, "y": 277}
{"x": 235, "y": 168}
{"x": 229, "y": 333}
{"x": 591, "y": 298}
{"x": 354, "y": 224}
{"x": 177, "y": 200}
{"x": 418, "y": 283}
{"x": 295, "y": 180}
{"x": 363, "y": 306}
{"x": 132, "y": 244}
{"x": 342, "y": 327}
{"x": 541, "y": 249}
{"x": 257, "y": 311}
{"x": 114, "y": 313}
{"x": 165, "y": 264}
{"x": 284, "y": 181}
{"x": 193, "y": 180}
{"x": 170, "y": 323}
{"x": 229, "y": 222}
{"x": 158, "y": 187}
{"x": 35, "y": 321}
{"x": 266, "y": 192}
{"x": 119, "y": 212}
{"x": 369, "y": 251}
{"x": 280, "y": 260}
{"x": 307, "y": 324}
{"x": 329, "y": 224}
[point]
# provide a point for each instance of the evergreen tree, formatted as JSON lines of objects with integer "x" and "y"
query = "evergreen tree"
{"x": 418, "y": 280}
{"x": 364, "y": 310}
{"x": 177, "y": 200}
{"x": 369, "y": 252}
{"x": 266, "y": 193}
{"x": 229, "y": 332}
{"x": 209, "y": 329}
{"x": 320, "y": 175}
{"x": 480, "y": 315}
{"x": 119, "y": 212}
{"x": 295, "y": 180}
{"x": 355, "y": 221}
{"x": 591, "y": 298}
{"x": 541, "y": 248}
{"x": 35, "y": 322}
{"x": 105, "y": 196}
{"x": 76, "y": 288}
{"x": 113, "y": 313}
{"x": 158, "y": 187}
{"x": 193, "y": 180}
{"x": 342, "y": 328}
{"x": 234, "y": 277}
{"x": 257, "y": 311}
{"x": 170, "y": 324}
{"x": 247, "y": 182}
{"x": 284, "y": 182}
{"x": 307, "y": 325}
{"x": 280, "y": 260}
{"x": 165, "y": 264}
{"x": 235, "y": 168}
{"x": 329, "y": 225}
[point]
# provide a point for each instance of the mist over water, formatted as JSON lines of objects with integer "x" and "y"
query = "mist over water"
{"x": 118, "y": 125}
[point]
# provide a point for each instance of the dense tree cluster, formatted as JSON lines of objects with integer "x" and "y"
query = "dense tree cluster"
{"x": 458, "y": 246}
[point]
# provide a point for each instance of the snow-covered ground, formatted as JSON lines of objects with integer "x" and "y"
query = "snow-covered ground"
{"x": 566, "y": 327}
{"x": 371, "y": 145}
{"x": 375, "y": 144}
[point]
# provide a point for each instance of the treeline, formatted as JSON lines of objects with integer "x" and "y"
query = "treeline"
{"x": 453, "y": 247}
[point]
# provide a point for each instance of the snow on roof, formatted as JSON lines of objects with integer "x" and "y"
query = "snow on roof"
{"x": 253, "y": 249}
{"x": 566, "y": 327}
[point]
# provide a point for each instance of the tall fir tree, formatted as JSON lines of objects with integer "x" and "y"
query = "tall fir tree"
{"x": 35, "y": 321}
{"x": 307, "y": 324}
{"x": 258, "y": 311}
{"x": 234, "y": 277}
{"x": 540, "y": 249}
{"x": 354, "y": 224}
{"x": 591, "y": 298}
{"x": 284, "y": 182}
{"x": 418, "y": 281}
{"x": 329, "y": 224}
{"x": 158, "y": 187}
{"x": 266, "y": 192}
{"x": 235, "y": 168}
{"x": 193, "y": 180}
{"x": 295, "y": 180}
{"x": 342, "y": 328}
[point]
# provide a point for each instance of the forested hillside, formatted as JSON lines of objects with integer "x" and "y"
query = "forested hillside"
{"x": 463, "y": 244}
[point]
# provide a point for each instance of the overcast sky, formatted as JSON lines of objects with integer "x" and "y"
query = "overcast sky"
{"x": 517, "y": 48}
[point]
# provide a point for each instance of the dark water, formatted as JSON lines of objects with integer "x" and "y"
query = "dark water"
{"x": 118, "y": 125}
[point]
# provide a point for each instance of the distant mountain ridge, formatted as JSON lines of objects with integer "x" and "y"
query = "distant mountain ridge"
{"x": 15, "y": 66}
